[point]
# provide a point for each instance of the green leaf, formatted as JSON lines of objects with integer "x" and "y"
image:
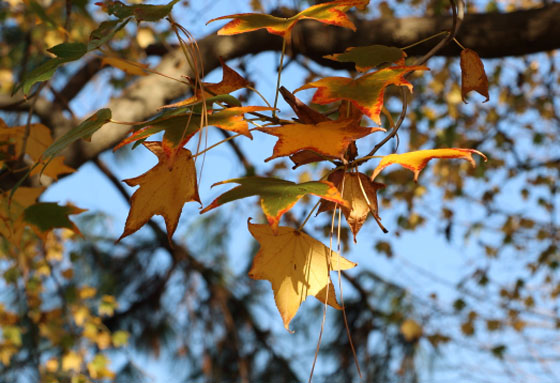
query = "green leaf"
{"x": 42, "y": 73}
{"x": 69, "y": 51}
{"x": 369, "y": 56}
{"x": 49, "y": 215}
{"x": 84, "y": 130}
{"x": 104, "y": 33}
{"x": 277, "y": 195}
{"x": 147, "y": 12}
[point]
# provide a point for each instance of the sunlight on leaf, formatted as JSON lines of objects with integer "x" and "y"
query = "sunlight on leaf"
{"x": 416, "y": 161}
{"x": 297, "y": 266}
{"x": 332, "y": 13}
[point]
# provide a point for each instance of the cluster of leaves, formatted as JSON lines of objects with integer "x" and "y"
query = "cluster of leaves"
{"x": 296, "y": 264}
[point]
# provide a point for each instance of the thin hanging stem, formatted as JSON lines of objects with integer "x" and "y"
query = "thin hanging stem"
{"x": 279, "y": 76}
{"x": 424, "y": 40}
{"x": 458, "y": 43}
{"x": 309, "y": 215}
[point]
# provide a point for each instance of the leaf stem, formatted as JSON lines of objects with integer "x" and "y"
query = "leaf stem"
{"x": 308, "y": 216}
{"x": 424, "y": 40}
{"x": 458, "y": 43}
{"x": 279, "y": 76}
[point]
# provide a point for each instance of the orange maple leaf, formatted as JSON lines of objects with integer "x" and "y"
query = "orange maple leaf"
{"x": 297, "y": 266}
{"x": 473, "y": 76}
{"x": 231, "y": 81}
{"x": 164, "y": 190}
{"x": 416, "y": 161}
{"x": 332, "y": 13}
{"x": 360, "y": 193}
{"x": 328, "y": 138}
{"x": 365, "y": 92}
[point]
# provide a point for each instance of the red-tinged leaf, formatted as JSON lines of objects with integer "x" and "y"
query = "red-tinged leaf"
{"x": 369, "y": 57}
{"x": 164, "y": 190}
{"x": 231, "y": 81}
{"x": 332, "y": 13}
{"x": 360, "y": 193}
{"x": 416, "y": 161}
{"x": 473, "y": 76}
{"x": 297, "y": 266}
{"x": 277, "y": 196}
{"x": 365, "y": 92}
{"x": 306, "y": 114}
{"x": 329, "y": 138}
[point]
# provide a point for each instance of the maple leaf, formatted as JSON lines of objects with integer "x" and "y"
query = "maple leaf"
{"x": 473, "y": 76}
{"x": 329, "y": 138}
{"x": 416, "y": 161}
{"x": 369, "y": 56}
{"x": 297, "y": 266}
{"x": 332, "y": 13}
{"x": 365, "y": 92}
{"x": 164, "y": 190}
{"x": 360, "y": 193}
{"x": 38, "y": 140}
{"x": 231, "y": 81}
{"x": 277, "y": 195}
{"x": 11, "y": 211}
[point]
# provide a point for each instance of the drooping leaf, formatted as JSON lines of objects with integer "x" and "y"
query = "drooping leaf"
{"x": 332, "y": 13}
{"x": 277, "y": 196}
{"x": 84, "y": 130}
{"x": 365, "y": 92}
{"x": 306, "y": 114}
{"x": 127, "y": 66}
{"x": 46, "y": 216}
{"x": 369, "y": 57}
{"x": 297, "y": 266}
{"x": 416, "y": 161}
{"x": 360, "y": 193}
{"x": 164, "y": 190}
{"x": 147, "y": 12}
{"x": 231, "y": 81}
{"x": 105, "y": 32}
{"x": 473, "y": 76}
{"x": 329, "y": 138}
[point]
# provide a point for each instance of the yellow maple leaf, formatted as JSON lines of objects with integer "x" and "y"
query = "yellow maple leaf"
{"x": 417, "y": 160}
{"x": 297, "y": 266}
{"x": 164, "y": 190}
{"x": 72, "y": 361}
